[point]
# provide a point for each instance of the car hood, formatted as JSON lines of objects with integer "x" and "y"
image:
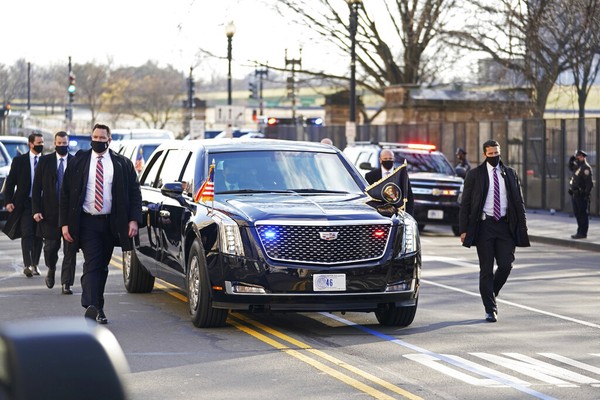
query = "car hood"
{"x": 323, "y": 208}
{"x": 432, "y": 176}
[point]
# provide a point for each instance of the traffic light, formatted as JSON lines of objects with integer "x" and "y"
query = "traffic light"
{"x": 71, "y": 88}
{"x": 253, "y": 90}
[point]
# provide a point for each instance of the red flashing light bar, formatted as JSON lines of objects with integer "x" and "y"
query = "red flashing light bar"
{"x": 418, "y": 146}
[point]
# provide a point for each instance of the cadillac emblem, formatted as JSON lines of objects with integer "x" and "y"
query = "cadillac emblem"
{"x": 328, "y": 235}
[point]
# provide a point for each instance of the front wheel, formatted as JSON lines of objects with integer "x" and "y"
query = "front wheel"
{"x": 135, "y": 276}
{"x": 391, "y": 315}
{"x": 198, "y": 290}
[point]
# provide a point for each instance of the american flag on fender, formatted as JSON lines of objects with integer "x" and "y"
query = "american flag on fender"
{"x": 139, "y": 161}
{"x": 207, "y": 190}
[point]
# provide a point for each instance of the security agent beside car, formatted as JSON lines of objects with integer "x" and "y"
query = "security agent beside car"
{"x": 100, "y": 206}
{"x": 492, "y": 217}
{"x": 580, "y": 189}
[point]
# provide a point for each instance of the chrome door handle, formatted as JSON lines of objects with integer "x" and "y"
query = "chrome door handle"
{"x": 164, "y": 213}
{"x": 144, "y": 209}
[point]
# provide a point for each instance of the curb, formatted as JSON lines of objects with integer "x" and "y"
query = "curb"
{"x": 575, "y": 244}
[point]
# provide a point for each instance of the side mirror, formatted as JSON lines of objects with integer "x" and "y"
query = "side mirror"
{"x": 69, "y": 358}
{"x": 172, "y": 190}
{"x": 365, "y": 165}
{"x": 460, "y": 171}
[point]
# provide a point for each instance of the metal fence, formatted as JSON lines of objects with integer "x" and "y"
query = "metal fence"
{"x": 538, "y": 149}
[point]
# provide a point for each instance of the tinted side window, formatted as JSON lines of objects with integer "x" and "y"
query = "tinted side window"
{"x": 188, "y": 176}
{"x": 173, "y": 166}
{"x": 150, "y": 176}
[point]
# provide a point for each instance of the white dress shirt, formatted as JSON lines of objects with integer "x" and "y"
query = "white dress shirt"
{"x": 488, "y": 207}
{"x": 90, "y": 192}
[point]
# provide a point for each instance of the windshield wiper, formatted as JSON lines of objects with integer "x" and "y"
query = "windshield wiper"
{"x": 318, "y": 191}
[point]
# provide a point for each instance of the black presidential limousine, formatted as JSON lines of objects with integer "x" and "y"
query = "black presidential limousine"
{"x": 289, "y": 229}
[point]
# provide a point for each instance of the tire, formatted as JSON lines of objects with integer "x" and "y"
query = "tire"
{"x": 203, "y": 315}
{"x": 135, "y": 277}
{"x": 455, "y": 230}
{"x": 390, "y": 315}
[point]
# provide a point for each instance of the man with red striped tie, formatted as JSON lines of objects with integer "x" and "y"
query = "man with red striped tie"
{"x": 492, "y": 217}
{"x": 101, "y": 204}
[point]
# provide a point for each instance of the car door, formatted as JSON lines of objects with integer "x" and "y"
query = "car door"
{"x": 172, "y": 217}
{"x": 148, "y": 247}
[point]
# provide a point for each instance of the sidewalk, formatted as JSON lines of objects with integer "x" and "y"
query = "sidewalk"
{"x": 556, "y": 229}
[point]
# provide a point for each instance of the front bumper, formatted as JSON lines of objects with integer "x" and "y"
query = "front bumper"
{"x": 428, "y": 213}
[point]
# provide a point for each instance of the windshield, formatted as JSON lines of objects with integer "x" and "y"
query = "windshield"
{"x": 308, "y": 172}
{"x": 424, "y": 162}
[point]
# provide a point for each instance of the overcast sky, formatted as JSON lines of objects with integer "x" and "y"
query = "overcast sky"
{"x": 132, "y": 32}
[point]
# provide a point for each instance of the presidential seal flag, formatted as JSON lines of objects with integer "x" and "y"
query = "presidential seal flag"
{"x": 207, "y": 190}
{"x": 392, "y": 189}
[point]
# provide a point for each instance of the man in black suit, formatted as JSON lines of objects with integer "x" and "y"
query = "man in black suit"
{"x": 492, "y": 217}
{"x": 386, "y": 162}
{"x": 100, "y": 205}
{"x": 49, "y": 175}
{"x": 20, "y": 221}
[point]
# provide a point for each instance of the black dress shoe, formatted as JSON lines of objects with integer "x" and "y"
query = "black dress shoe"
{"x": 50, "y": 278}
{"x": 578, "y": 236}
{"x": 66, "y": 289}
{"x": 27, "y": 271}
{"x": 35, "y": 270}
{"x": 491, "y": 317}
{"x": 91, "y": 313}
{"x": 101, "y": 318}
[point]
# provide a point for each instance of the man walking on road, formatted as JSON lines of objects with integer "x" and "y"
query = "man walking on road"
{"x": 100, "y": 205}
{"x": 580, "y": 189}
{"x": 492, "y": 217}
{"x": 45, "y": 197}
{"x": 17, "y": 196}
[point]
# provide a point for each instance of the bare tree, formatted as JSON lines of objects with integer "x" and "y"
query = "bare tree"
{"x": 149, "y": 93}
{"x": 412, "y": 24}
{"x": 532, "y": 37}
{"x": 92, "y": 80}
{"x": 585, "y": 62}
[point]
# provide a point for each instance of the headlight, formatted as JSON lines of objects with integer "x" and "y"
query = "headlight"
{"x": 230, "y": 240}
{"x": 410, "y": 242}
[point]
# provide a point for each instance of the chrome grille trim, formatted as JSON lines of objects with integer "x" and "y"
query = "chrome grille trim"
{"x": 300, "y": 241}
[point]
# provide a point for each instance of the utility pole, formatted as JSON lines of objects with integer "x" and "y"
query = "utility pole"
{"x": 261, "y": 73}
{"x": 291, "y": 80}
{"x": 28, "y": 86}
{"x": 71, "y": 93}
{"x": 190, "y": 99}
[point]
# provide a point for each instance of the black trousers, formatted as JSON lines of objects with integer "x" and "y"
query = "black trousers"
{"x": 51, "y": 248}
{"x": 580, "y": 209}
{"x": 494, "y": 242}
{"x": 97, "y": 244}
{"x": 31, "y": 245}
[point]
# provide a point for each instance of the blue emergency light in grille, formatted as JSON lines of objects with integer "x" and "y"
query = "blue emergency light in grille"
{"x": 326, "y": 244}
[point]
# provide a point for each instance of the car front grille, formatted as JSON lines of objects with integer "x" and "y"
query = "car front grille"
{"x": 436, "y": 192}
{"x": 324, "y": 244}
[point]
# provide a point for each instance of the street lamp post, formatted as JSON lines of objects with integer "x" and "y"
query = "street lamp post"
{"x": 229, "y": 32}
{"x": 354, "y": 6}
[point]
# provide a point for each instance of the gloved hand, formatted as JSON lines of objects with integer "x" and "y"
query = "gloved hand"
{"x": 572, "y": 164}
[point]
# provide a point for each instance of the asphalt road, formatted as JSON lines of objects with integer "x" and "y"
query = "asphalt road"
{"x": 545, "y": 344}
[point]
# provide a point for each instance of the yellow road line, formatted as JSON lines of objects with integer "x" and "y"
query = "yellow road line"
{"x": 314, "y": 363}
{"x": 329, "y": 358}
{"x": 168, "y": 288}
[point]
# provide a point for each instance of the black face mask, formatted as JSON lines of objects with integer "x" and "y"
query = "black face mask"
{"x": 387, "y": 164}
{"x": 493, "y": 161}
{"x": 99, "y": 147}
{"x": 62, "y": 150}
{"x": 39, "y": 148}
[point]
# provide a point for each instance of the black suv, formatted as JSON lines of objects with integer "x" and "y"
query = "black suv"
{"x": 288, "y": 230}
{"x": 435, "y": 184}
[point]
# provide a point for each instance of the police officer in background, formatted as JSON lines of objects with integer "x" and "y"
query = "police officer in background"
{"x": 461, "y": 156}
{"x": 580, "y": 189}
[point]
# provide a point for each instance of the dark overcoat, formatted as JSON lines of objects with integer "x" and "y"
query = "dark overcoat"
{"x": 44, "y": 198}
{"x": 476, "y": 187}
{"x": 16, "y": 191}
{"x": 126, "y": 197}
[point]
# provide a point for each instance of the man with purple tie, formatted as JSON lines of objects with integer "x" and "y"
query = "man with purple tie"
{"x": 492, "y": 217}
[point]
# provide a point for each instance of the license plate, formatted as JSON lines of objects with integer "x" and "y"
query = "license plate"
{"x": 435, "y": 214}
{"x": 329, "y": 282}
